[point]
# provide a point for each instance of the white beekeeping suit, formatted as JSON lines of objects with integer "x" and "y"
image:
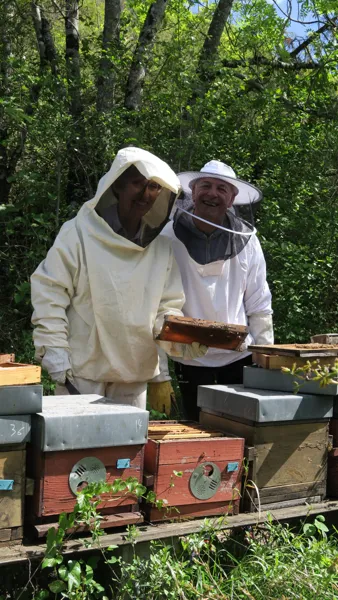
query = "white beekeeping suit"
{"x": 223, "y": 274}
{"x": 100, "y": 298}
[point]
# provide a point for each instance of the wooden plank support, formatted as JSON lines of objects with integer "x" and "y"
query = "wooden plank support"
{"x": 147, "y": 533}
{"x": 108, "y": 522}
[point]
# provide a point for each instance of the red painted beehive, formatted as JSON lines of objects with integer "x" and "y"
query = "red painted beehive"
{"x": 81, "y": 439}
{"x": 195, "y": 470}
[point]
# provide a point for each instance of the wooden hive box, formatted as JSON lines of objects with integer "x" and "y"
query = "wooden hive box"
{"x": 14, "y": 433}
{"x": 80, "y": 439}
{"x": 332, "y": 474}
{"x": 334, "y": 423}
{"x": 12, "y": 373}
{"x": 286, "y": 438}
{"x": 209, "y": 464}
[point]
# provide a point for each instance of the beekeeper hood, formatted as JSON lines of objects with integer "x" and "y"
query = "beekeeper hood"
{"x": 152, "y": 168}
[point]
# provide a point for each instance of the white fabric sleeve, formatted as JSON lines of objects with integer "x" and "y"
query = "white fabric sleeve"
{"x": 257, "y": 296}
{"x": 164, "y": 368}
{"x": 52, "y": 288}
{"x": 173, "y": 296}
{"x": 261, "y": 328}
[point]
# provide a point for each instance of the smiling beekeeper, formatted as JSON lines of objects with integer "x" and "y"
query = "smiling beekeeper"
{"x": 223, "y": 273}
{"x": 101, "y": 294}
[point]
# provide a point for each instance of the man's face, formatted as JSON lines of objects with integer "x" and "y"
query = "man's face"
{"x": 212, "y": 198}
{"x": 136, "y": 194}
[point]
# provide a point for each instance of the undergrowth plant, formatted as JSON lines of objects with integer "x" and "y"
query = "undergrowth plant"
{"x": 266, "y": 562}
{"x": 75, "y": 579}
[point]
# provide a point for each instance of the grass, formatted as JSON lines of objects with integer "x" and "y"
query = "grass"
{"x": 269, "y": 563}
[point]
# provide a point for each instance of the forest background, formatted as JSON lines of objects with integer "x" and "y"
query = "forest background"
{"x": 191, "y": 82}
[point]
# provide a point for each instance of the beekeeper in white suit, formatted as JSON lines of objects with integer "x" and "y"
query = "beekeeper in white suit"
{"x": 101, "y": 294}
{"x": 223, "y": 273}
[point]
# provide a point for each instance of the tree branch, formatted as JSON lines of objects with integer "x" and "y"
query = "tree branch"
{"x": 273, "y": 63}
{"x": 330, "y": 24}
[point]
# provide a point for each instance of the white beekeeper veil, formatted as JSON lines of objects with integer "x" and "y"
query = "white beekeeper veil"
{"x": 152, "y": 168}
{"x": 215, "y": 169}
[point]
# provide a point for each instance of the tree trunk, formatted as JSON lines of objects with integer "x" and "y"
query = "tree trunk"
{"x": 110, "y": 40}
{"x": 11, "y": 154}
{"x": 137, "y": 73}
{"x": 5, "y": 49}
{"x": 77, "y": 188}
{"x": 205, "y": 71}
{"x": 73, "y": 57}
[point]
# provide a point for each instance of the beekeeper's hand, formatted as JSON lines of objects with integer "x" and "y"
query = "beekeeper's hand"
{"x": 185, "y": 351}
{"x": 56, "y": 361}
{"x": 194, "y": 350}
{"x": 160, "y": 395}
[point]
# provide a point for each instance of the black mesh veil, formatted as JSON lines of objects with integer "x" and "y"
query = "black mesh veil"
{"x": 222, "y": 245}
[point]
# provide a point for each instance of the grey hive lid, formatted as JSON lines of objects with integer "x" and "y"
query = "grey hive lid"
{"x": 273, "y": 379}
{"x": 263, "y": 406}
{"x": 15, "y": 429}
{"x": 20, "y": 399}
{"x": 87, "y": 421}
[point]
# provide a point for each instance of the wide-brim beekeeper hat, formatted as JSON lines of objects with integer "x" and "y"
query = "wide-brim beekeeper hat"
{"x": 247, "y": 193}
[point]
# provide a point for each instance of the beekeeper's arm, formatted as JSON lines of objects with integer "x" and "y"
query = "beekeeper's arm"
{"x": 52, "y": 288}
{"x": 172, "y": 302}
{"x": 257, "y": 297}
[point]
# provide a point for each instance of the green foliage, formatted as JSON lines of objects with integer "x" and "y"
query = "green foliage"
{"x": 276, "y": 127}
{"x": 266, "y": 562}
{"x": 313, "y": 371}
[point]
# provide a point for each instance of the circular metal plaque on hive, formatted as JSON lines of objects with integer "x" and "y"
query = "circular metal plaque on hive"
{"x": 205, "y": 481}
{"x": 88, "y": 470}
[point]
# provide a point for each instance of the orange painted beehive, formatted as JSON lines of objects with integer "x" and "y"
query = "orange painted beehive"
{"x": 196, "y": 471}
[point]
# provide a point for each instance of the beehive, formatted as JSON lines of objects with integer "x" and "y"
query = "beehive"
{"x": 79, "y": 439}
{"x": 196, "y": 471}
{"x": 17, "y": 403}
{"x": 287, "y": 435}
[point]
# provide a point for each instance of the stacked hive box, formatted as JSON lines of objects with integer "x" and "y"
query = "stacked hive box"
{"x": 17, "y": 403}
{"x": 274, "y": 380}
{"x": 286, "y": 434}
{"x": 209, "y": 464}
{"x": 81, "y": 439}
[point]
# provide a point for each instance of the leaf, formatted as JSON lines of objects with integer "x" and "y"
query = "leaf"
{"x": 63, "y": 572}
{"x": 74, "y": 574}
{"x": 178, "y": 473}
{"x": 57, "y": 586}
{"x": 63, "y": 521}
{"x": 51, "y": 562}
{"x": 89, "y": 573}
{"x": 320, "y": 518}
{"x": 41, "y": 595}
{"x": 112, "y": 560}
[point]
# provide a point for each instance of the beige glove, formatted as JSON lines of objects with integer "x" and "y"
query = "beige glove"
{"x": 160, "y": 395}
{"x": 185, "y": 351}
{"x": 175, "y": 349}
{"x": 56, "y": 361}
